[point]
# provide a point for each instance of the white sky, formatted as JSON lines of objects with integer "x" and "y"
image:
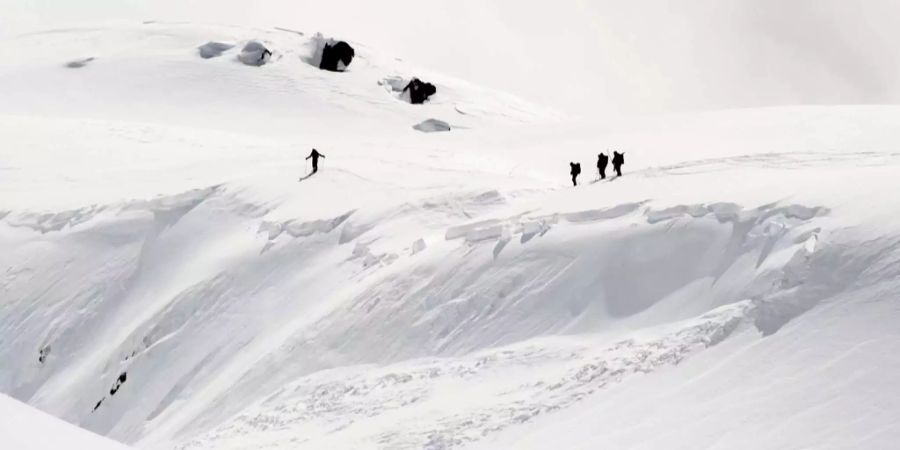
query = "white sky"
{"x": 583, "y": 56}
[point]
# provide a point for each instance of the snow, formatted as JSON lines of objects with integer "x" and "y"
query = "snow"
{"x": 166, "y": 280}
{"x": 432, "y": 125}
{"x": 25, "y": 428}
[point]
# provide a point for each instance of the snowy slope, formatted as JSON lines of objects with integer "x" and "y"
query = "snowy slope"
{"x": 153, "y": 72}
{"x": 25, "y": 428}
{"x": 168, "y": 282}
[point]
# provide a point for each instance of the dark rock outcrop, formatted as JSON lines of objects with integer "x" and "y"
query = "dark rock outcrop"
{"x": 337, "y": 57}
{"x": 419, "y": 91}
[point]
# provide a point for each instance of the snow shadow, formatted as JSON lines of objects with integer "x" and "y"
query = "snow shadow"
{"x": 79, "y": 63}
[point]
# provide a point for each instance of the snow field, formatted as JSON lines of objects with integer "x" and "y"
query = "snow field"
{"x": 168, "y": 282}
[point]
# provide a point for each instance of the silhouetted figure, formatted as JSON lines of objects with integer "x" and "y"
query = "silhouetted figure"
{"x": 575, "y": 171}
{"x": 419, "y": 91}
{"x": 617, "y": 161}
{"x": 315, "y": 159}
{"x": 602, "y": 161}
{"x": 341, "y": 52}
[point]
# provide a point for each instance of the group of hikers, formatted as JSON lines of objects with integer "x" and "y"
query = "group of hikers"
{"x": 618, "y": 160}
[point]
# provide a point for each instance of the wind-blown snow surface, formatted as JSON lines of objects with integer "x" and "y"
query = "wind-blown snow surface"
{"x": 25, "y": 428}
{"x": 168, "y": 282}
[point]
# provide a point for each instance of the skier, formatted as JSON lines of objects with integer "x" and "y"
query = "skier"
{"x": 575, "y": 171}
{"x": 315, "y": 159}
{"x": 617, "y": 161}
{"x": 602, "y": 161}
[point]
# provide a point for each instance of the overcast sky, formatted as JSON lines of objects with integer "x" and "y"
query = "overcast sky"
{"x": 583, "y": 56}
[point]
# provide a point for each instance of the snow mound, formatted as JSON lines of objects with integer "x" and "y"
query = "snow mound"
{"x": 432, "y": 125}
{"x": 213, "y": 49}
{"x": 254, "y": 54}
{"x": 314, "y": 48}
{"x": 418, "y": 246}
{"x": 394, "y": 85}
